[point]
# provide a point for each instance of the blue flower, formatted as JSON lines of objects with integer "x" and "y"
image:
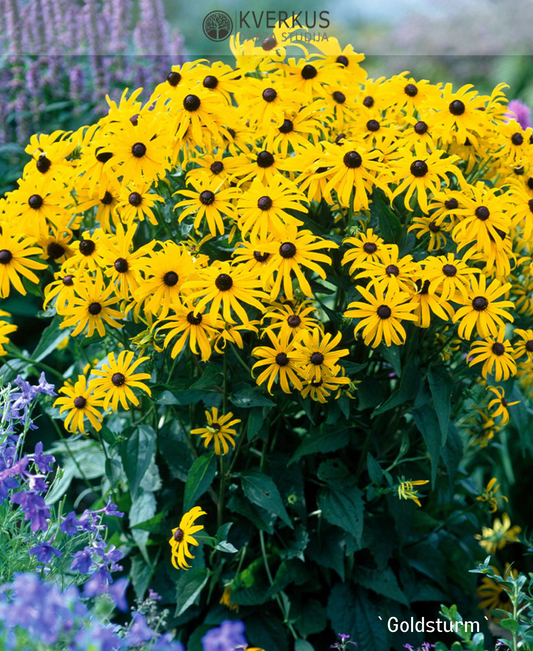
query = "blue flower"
{"x": 44, "y": 552}
{"x": 35, "y": 508}
{"x": 82, "y": 561}
{"x": 226, "y": 637}
{"x": 117, "y": 591}
{"x": 165, "y": 643}
{"x": 69, "y": 524}
{"x": 139, "y": 631}
{"x": 43, "y": 461}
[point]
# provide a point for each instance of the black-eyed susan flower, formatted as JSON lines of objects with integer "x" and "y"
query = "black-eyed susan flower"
{"x": 56, "y": 244}
{"x": 320, "y": 390}
{"x": 294, "y": 251}
{"x": 6, "y": 328}
{"x": 495, "y": 596}
{"x": 427, "y": 226}
{"x": 428, "y": 302}
{"x": 226, "y": 286}
{"x": 407, "y": 492}
{"x": 499, "y": 405}
{"x": 525, "y": 344}
{"x": 318, "y": 353}
{"x": 391, "y": 269}
{"x": 190, "y": 327}
{"x": 183, "y": 536}
{"x": 117, "y": 379}
{"x": 63, "y": 289}
{"x": 80, "y": 403}
{"x": 367, "y": 246}
{"x": 263, "y": 209}
{"x": 294, "y": 130}
{"x": 106, "y": 199}
{"x": 226, "y": 599}
{"x": 15, "y": 261}
{"x": 208, "y": 201}
{"x": 488, "y": 495}
{"x": 448, "y": 276}
{"x": 291, "y": 318}
{"x": 282, "y": 360}
{"x": 263, "y": 165}
{"x": 219, "y": 429}
{"x": 266, "y": 100}
{"x": 497, "y": 537}
{"x": 232, "y": 333}
{"x": 91, "y": 307}
{"x": 483, "y": 309}
{"x": 460, "y": 114}
{"x": 88, "y": 254}
{"x": 201, "y": 112}
{"x": 164, "y": 272}
{"x": 136, "y": 202}
{"x": 381, "y": 317}
{"x": 496, "y": 353}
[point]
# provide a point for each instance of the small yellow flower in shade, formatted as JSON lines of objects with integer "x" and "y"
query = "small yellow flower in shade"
{"x": 489, "y": 495}
{"x": 496, "y": 355}
{"x": 14, "y": 261}
{"x": 226, "y": 599}
{"x": 320, "y": 390}
{"x": 427, "y": 226}
{"x": 281, "y": 359}
{"x": 137, "y": 202}
{"x": 318, "y": 354}
{"x": 381, "y": 317}
{"x": 525, "y": 345}
{"x": 494, "y": 595}
{"x": 218, "y": 429}
{"x": 500, "y": 405}
{"x": 407, "y": 492}
{"x": 63, "y": 289}
{"x": 5, "y": 329}
{"x": 501, "y": 533}
{"x": 91, "y": 307}
{"x": 483, "y": 309}
{"x": 427, "y": 303}
{"x": 183, "y": 536}
{"x": 117, "y": 378}
{"x": 80, "y": 402}
{"x": 291, "y": 318}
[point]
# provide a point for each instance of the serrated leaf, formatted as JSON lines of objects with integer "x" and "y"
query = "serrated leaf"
{"x": 260, "y": 489}
{"x": 344, "y": 508}
{"x": 383, "y": 583}
{"x": 136, "y": 454}
{"x": 323, "y": 440}
{"x": 201, "y": 476}
{"x": 209, "y": 378}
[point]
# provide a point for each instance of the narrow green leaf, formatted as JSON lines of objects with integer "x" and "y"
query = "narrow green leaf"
{"x": 201, "y": 475}
{"x": 210, "y": 378}
{"x": 261, "y": 490}
{"x": 428, "y": 424}
{"x": 189, "y": 586}
{"x": 322, "y": 440}
{"x": 441, "y": 386}
{"x": 374, "y": 470}
{"x": 136, "y": 453}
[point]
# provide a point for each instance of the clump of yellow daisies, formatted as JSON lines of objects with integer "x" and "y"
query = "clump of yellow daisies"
{"x": 279, "y": 161}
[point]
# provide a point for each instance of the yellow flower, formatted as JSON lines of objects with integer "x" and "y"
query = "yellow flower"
{"x": 15, "y": 250}
{"x": 320, "y": 390}
{"x": 282, "y": 359}
{"x": 209, "y": 201}
{"x": 496, "y": 355}
{"x": 501, "y": 533}
{"x": 381, "y": 317}
{"x": 81, "y": 403}
{"x": 488, "y": 495}
{"x": 367, "y": 247}
{"x": 500, "y": 405}
{"x": 318, "y": 353}
{"x": 219, "y": 429}
{"x": 525, "y": 346}
{"x": 226, "y": 599}
{"x": 183, "y": 536}
{"x": 291, "y": 318}
{"x": 117, "y": 378}
{"x": 193, "y": 327}
{"x": 494, "y": 595}
{"x": 406, "y": 491}
{"x": 5, "y": 329}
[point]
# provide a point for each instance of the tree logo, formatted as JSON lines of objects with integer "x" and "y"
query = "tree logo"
{"x": 217, "y": 26}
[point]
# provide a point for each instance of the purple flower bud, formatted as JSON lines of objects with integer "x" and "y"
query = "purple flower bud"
{"x": 69, "y": 524}
{"x": 43, "y": 461}
{"x": 44, "y": 551}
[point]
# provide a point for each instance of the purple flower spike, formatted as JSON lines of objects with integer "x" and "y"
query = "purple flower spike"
{"x": 518, "y": 111}
{"x": 43, "y": 461}
{"x": 44, "y": 551}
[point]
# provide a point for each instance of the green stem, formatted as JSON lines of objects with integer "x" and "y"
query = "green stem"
{"x": 220, "y": 505}
{"x": 34, "y": 362}
{"x": 71, "y": 455}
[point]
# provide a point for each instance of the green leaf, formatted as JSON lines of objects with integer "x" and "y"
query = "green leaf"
{"x": 140, "y": 573}
{"x": 152, "y": 525}
{"x": 408, "y": 389}
{"x": 440, "y": 384}
{"x": 354, "y": 614}
{"x": 136, "y": 454}
{"x": 303, "y": 645}
{"x": 309, "y": 616}
{"x": 323, "y": 440}
{"x": 428, "y": 424}
{"x": 113, "y": 470}
{"x": 344, "y": 508}
{"x": 374, "y": 470}
{"x": 209, "y": 378}
{"x": 268, "y": 633}
{"x": 50, "y": 339}
{"x": 246, "y": 397}
{"x": 188, "y": 588}
{"x": 142, "y": 509}
{"x": 392, "y": 355}
{"x": 510, "y": 625}
{"x": 255, "y": 422}
{"x": 383, "y": 583}
{"x": 201, "y": 476}
{"x": 263, "y": 520}
{"x": 261, "y": 490}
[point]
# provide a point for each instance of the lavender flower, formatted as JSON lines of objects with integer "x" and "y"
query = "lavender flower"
{"x": 43, "y": 461}
{"x": 139, "y": 631}
{"x": 69, "y": 524}
{"x": 227, "y": 636}
{"x": 44, "y": 552}
{"x": 518, "y": 111}
{"x": 35, "y": 508}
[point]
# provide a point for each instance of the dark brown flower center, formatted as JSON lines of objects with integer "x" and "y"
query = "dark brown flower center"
{"x": 384, "y": 312}
{"x": 517, "y": 139}
{"x": 94, "y": 309}
{"x": 223, "y": 282}
{"x": 87, "y": 247}
{"x": 449, "y": 270}
{"x": 286, "y": 127}
{"x": 316, "y": 358}
{"x": 104, "y": 156}
{"x": 191, "y": 103}
{"x": 5, "y": 256}
{"x": 194, "y": 319}
{"x": 419, "y": 168}
{"x": 135, "y": 199}
{"x": 118, "y": 379}
{"x": 519, "y": 171}
{"x": 269, "y": 43}
{"x": 498, "y": 348}
{"x": 392, "y": 270}
{"x": 135, "y": 119}
{"x": 457, "y": 107}
{"x": 261, "y": 257}
{"x": 370, "y": 247}
{"x": 421, "y": 128}
{"x": 352, "y": 159}
{"x": 372, "y": 125}
{"x": 309, "y": 71}
{"x": 35, "y": 201}
{"x": 339, "y": 97}
{"x": 210, "y": 82}
{"x": 294, "y": 321}
{"x": 170, "y": 278}
{"x": 269, "y": 94}
{"x": 107, "y": 198}
{"x": 287, "y": 250}
{"x": 368, "y": 101}
{"x": 121, "y": 265}
{"x": 433, "y": 227}
{"x": 264, "y": 203}
{"x": 43, "y": 164}
{"x": 265, "y": 159}
{"x": 343, "y": 60}
{"x": 173, "y": 78}
{"x": 68, "y": 280}
{"x": 179, "y": 535}
{"x": 451, "y": 204}
{"x": 80, "y": 402}
{"x": 480, "y": 303}
{"x": 529, "y": 346}
{"x": 217, "y": 167}
{"x": 55, "y": 250}
{"x": 282, "y": 359}
{"x": 411, "y": 90}
{"x": 207, "y": 197}
{"x": 138, "y": 150}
